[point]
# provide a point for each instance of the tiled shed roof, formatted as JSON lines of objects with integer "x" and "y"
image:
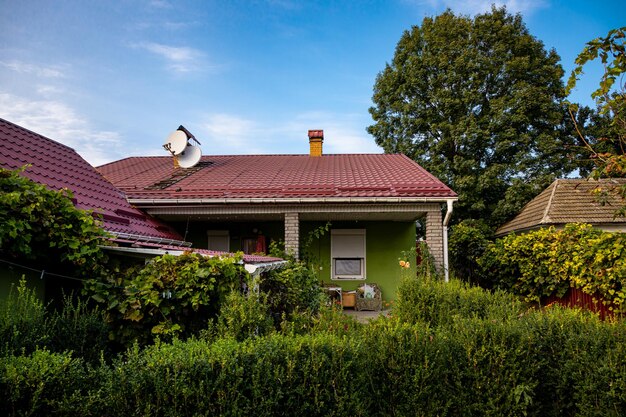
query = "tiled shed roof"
{"x": 568, "y": 201}
{"x": 59, "y": 166}
{"x": 275, "y": 176}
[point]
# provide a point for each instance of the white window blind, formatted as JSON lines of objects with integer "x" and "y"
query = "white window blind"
{"x": 348, "y": 253}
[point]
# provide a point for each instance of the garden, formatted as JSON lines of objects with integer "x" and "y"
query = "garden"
{"x": 190, "y": 335}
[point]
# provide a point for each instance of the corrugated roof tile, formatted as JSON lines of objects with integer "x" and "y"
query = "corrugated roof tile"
{"x": 59, "y": 166}
{"x": 276, "y": 176}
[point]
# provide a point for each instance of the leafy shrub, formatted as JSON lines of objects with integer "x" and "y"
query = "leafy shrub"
{"x": 243, "y": 316}
{"x": 46, "y": 383}
{"x": 80, "y": 328}
{"x": 39, "y": 223}
{"x": 548, "y": 262}
{"x": 472, "y": 361}
{"x": 467, "y": 243}
{"x": 290, "y": 289}
{"x": 436, "y": 303}
{"x": 27, "y": 325}
{"x": 169, "y": 296}
{"x": 23, "y": 325}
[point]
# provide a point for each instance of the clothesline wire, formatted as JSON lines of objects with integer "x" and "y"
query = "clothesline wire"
{"x": 43, "y": 272}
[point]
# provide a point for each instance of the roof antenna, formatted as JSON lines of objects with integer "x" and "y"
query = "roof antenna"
{"x": 177, "y": 144}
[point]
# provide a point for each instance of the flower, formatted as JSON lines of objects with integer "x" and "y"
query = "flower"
{"x": 402, "y": 264}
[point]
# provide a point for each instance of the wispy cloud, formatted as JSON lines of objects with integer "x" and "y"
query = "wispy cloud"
{"x": 32, "y": 69}
{"x": 473, "y": 7}
{"x": 180, "y": 59}
{"x": 233, "y": 134}
{"x": 60, "y": 122}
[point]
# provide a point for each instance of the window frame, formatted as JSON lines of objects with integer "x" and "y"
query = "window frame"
{"x": 359, "y": 250}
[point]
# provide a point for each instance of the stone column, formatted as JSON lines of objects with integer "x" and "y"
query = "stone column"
{"x": 292, "y": 234}
{"x": 434, "y": 236}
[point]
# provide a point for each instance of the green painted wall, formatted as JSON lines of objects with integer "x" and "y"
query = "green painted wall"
{"x": 384, "y": 243}
{"x": 11, "y": 275}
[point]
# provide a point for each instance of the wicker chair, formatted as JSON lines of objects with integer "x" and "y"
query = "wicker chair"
{"x": 374, "y": 304}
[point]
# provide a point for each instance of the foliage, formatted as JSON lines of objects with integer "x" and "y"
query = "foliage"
{"x": 243, "y": 316}
{"x": 78, "y": 327}
{"x": 23, "y": 324}
{"x": 290, "y": 289}
{"x": 467, "y": 243}
{"x": 42, "y": 224}
{"x": 26, "y": 325}
{"x": 543, "y": 363}
{"x": 437, "y": 303}
{"x": 548, "y": 262}
{"x": 478, "y": 103}
{"x": 170, "y": 295}
{"x": 608, "y": 147}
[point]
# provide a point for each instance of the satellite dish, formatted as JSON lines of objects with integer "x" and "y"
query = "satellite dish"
{"x": 189, "y": 157}
{"x": 176, "y": 142}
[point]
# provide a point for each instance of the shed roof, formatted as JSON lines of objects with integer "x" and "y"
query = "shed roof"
{"x": 275, "y": 176}
{"x": 59, "y": 166}
{"x": 569, "y": 201}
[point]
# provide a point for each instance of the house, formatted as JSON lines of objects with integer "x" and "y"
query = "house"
{"x": 571, "y": 201}
{"x": 245, "y": 202}
{"x": 58, "y": 166}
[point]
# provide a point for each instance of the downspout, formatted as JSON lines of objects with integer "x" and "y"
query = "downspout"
{"x": 446, "y": 221}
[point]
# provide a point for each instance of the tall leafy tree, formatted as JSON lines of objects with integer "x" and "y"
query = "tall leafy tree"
{"x": 479, "y": 103}
{"x": 606, "y": 144}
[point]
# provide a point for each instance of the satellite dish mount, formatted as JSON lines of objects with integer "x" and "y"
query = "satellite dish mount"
{"x": 177, "y": 144}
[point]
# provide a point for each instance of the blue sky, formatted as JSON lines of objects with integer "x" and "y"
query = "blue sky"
{"x": 113, "y": 78}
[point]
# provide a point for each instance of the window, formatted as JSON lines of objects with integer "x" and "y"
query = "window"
{"x": 219, "y": 240}
{"x": 347, "y": 251}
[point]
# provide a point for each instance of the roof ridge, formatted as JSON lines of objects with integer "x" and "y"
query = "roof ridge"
{"x": 546, "y": 217}
{"x": 37, "y": 134}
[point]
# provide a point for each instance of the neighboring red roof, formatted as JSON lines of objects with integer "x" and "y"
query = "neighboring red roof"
{"x": 275, "y": 176}
{"x": 59, "y": 166}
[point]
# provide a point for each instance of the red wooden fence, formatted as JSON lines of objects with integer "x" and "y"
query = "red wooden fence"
{"x": 575, "y": 298}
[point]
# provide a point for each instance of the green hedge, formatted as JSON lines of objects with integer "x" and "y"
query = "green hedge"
{"x": 543, "y": 364}
{"x": 465, "y": 351}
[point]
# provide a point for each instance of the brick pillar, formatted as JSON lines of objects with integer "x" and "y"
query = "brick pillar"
{"x": 292, "y": 234}
{"x": 434, "y": 236}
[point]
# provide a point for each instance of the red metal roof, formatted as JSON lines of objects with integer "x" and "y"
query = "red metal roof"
{"x": 59, "y": 166}
{"x": 275, "y": 176}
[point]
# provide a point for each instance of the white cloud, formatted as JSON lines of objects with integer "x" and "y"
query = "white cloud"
{"x": 61, "y": 123}
{"x": 180, "y": 59}
{"x": 232, "y": 134}
{"x": 473, "y": 7}
{"x": 37, "y": 70}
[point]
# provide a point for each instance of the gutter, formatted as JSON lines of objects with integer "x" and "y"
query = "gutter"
{"x": 192, "y": 201}
{"x": 446, "y": 221}
{"x": 252, "y": 269}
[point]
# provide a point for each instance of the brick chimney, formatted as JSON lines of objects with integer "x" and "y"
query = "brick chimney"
{"x": 316, "y": 138}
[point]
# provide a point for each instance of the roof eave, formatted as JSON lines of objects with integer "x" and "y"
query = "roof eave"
{"x": 141, "y": 202}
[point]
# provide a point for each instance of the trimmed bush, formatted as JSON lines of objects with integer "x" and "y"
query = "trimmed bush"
{"x": 436, "y": 303}
{"x": 470, "y": 362}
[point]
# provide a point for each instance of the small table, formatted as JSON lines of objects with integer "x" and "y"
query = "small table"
{"x": 335, "y": 292}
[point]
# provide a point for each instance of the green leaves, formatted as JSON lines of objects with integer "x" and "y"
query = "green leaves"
{"x": 170, "y": 295}
{"x": 548, "y": 262}
{"x": 477, "y": 102}
{"x": 608, "y": 148}
{"x": 40, "y": 224}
